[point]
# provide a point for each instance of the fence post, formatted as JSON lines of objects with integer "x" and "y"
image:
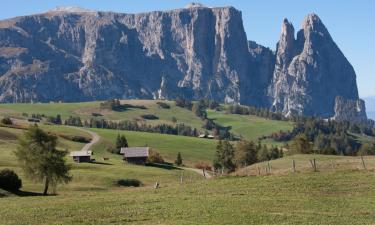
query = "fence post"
{"x": 269, "y": 167}
{"x": 294, "y": 166}
{"x": 333, "y": 166}
{"x": 258, "y": 170}
{"x": 314, "y": 165}
{"x": 363, "y": 163}
{"x": 182, "y": 177}
{"x": 204, "y": 173}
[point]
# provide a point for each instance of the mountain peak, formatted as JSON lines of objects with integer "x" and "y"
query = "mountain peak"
{"x": 312, "y": 22}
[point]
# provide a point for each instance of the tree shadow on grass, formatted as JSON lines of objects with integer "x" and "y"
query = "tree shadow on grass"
{"x": 167, "y": 166}
{"x": 20, "y": 193}
{"x": 103, "y": 163}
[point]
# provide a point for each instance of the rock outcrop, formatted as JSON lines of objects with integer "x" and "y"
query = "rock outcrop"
{"x": 73, "y": 54}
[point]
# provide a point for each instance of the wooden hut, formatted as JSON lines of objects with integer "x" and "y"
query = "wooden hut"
{"x": 136, "y": 155}
{"x": 81, "y": 156}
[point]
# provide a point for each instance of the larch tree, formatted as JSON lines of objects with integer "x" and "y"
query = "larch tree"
{"x": 41, "y": 160}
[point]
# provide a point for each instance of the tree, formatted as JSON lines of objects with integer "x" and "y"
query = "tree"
{"x": 301, "y": 144}
{"x": 179, "y": 159}
{"x": 6, "y": 121}
{"x": 199, "y": 109}
{"x": 154, "y": 157}
{"x": 9, "y": 180}
{"x": 366, "y": 149}
{"x": 121, "y": 142}
{"x": 40, "y": 159}
{"x": 58, "y": 119}
{"x": 246, "y": 153}
{"x": 263, "y": 153}
{"x": 224, "y": 156}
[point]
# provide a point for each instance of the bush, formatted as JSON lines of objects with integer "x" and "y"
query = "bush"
{"x": 366, "y": 149}
{"x": 9, "y": 180}
{"x": 113, "y": 150}
{"x": 150, "y": 117}
{"x": 154, "y": 157}
{"x": 202, "y": 165}
{"x": 76, "y": 138}
{"x": 163, "y": 105}
{"x": 129, "y": 183}
{"x": 6, "y": 121}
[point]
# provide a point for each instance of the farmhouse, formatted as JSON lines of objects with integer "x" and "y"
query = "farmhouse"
{"x": 81, "y": 156}
{"x": 136, "y": 155}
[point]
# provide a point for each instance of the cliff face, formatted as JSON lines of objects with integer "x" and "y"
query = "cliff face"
{"x": 311, "y": 73}
{"x": 195, "y": 52}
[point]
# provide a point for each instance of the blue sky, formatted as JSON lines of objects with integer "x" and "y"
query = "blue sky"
{"x": 351, "y": 23}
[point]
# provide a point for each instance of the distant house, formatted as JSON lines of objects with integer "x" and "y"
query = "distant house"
{"x": 209, "y": 136}
{"x": 136, "y": 155}
{"x": 81, "y": 156}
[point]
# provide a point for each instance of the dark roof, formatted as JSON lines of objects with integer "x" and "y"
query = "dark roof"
{"x": 135, "y": 152}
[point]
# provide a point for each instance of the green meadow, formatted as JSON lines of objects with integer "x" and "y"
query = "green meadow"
{"x": 345, "y": 197}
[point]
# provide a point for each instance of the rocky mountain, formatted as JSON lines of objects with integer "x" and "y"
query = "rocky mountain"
{"x": 73, "y": 54}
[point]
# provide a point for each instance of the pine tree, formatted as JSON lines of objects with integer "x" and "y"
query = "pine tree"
{"x": 246, "y": 153}
{"x": 178, "y": 161}
{"x": 224, "y": 157}
{"x": 121, "y": 142}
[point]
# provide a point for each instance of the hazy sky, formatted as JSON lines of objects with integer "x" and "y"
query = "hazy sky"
{"x": 350, "y": 22}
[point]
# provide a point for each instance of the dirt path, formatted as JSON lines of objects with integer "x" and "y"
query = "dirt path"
{"x": 94, "y": 138}
{"x": 199, "y": 171}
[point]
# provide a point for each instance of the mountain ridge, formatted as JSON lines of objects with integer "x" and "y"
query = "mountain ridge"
{"x": 195, "y": 52}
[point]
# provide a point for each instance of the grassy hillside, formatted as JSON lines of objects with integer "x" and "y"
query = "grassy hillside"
{"x": 250, "y": 127}
{"x": 325, "y": 163}
{"x": 89, "y": 176}
{"x": 312, "y": 198}
{"x": 85, "y": 110}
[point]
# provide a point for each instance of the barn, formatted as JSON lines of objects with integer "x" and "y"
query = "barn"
{"x": 81, "y": 156}
{"x": 136, "y": 155}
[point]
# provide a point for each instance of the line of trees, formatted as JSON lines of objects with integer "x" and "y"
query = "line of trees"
{"x": 324, "y": 137}
{"x": 229, "y": 157}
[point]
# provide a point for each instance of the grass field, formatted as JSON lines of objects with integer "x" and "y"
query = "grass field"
{"x": 345, "y": 197}
{"x": 85, "y": 110}
{"x": 192, "y": 149}
{"x": 250, "y": 127}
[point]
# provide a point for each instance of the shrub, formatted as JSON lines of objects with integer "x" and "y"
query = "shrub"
{"x": 154, "y": 157}
{"x": 6, "y": 121}
{"x": 9, "y": 180}
{"x": 366, "y": 149}
{"x": 163, "y": 105}
{"x": 129, "y": 183}
{"x": 202, "y": 165}
{"x": 113, "y": 150}
{"x": 76, "y": 138}
{"x": 150, "y": 117}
